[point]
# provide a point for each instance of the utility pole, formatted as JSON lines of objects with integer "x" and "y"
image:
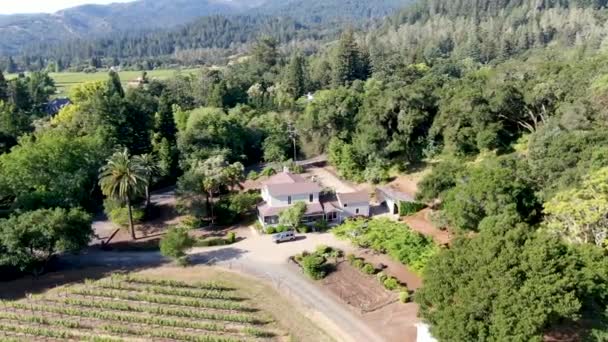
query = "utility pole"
{"x": 293, "y": 133}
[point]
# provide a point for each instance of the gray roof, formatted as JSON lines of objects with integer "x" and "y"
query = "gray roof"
{"x": 287, "y": 189}
{"x": 394, "y": 194}
{"x": 284, "y": 178}
{"x": 353, "y": 197}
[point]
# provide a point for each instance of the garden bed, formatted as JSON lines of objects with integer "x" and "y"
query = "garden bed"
{"x": 360, "y": 291}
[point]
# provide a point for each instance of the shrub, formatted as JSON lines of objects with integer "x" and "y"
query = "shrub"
{"x": 314, "y": 266}
{"x": 321, "y": 226}
{"x": 381, "y": 276}
{"x": 175, "y": 243}
{"x": 271, "y": 230}
{"x": 410, "y": 208}
{"x": 231, "y": 237}
{"x": 281, "y": 229}
{"x": 358, "y": 263}
{"x": 351, "y": 258}
{"x": 323, "y": 249}
{"x": 303, "y": 229}
{"x": 192, "y": 222}
{"x": 268, "y": 171}
{"x": 404, "y": 296}
{"x": 391, "y": 283}
{"x": 368, "y": 269}
{"x": 253, "y": 175}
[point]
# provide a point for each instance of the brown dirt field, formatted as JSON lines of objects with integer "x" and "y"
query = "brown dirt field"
{"x": 393, "y": 268}
{"x": 358, "y": 290}
{"x": 380, "y": 308}
{"x": 421, "y": 223}
{"x": 397, "y": 321}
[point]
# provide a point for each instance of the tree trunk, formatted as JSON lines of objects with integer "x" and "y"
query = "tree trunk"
{"x": 131, "y": 219}
{"x": 147, "y": 198}
{"x": 211, "y": 203}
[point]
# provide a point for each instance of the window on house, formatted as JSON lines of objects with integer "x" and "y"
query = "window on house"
{"x": 288, "y": 199}
{"x": 311, "y": 198}
{"x": 357, "y": 211}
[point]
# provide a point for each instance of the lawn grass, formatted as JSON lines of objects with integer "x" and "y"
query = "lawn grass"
{"x": 66, "y": 80}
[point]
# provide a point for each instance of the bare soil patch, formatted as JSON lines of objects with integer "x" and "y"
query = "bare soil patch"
{"x": 360, "y": 291}
{"x": 421, "y": 223}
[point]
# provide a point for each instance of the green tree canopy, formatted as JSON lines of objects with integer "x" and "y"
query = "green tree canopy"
{"x": 30, "y": 239}
{"x": 510, "y": 283}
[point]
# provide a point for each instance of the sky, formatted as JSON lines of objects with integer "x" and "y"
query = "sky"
{"x": 48, "y": 6}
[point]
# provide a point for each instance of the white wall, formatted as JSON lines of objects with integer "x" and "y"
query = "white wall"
{"x": 351, "y": 210}
{"x": 282, "y": 201}
{"x": 391, "y": 206}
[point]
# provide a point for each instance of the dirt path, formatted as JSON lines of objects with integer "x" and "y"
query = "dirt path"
{"x": 421, "y": 223}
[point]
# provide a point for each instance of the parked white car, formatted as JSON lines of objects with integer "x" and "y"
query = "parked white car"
{"x": 284, "y": 236}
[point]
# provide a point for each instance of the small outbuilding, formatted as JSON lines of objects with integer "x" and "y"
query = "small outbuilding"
{"x": 392, "y": 198}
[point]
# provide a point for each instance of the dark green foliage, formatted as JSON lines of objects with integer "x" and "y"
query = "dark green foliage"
{"x": 492, "y": 286}
{"x": 443, "y": 178}
{"x": 410, "y": 208}
{"x": 489, "y": 189}
{"x": 3, "y": 87}
{"x": 113, "y": 86}
{"x": 30, "y": 239}
{"x": 296, "y": 79}
{"x": 351, "y": 62}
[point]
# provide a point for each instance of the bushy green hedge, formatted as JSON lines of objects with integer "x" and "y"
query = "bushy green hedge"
{"x": 314, "y": 266}
{"x": 216, "y": 241}
{"x": 389, "y": 237}
{"x": 410, "y": 208}
{"x": 318, "y": 264}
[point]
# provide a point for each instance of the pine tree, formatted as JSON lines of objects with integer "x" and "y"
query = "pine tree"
{"x": 295, "y": 77}
{"x": 265, "y": 52}
{"x": 114, "y": 87}
{"x": 11, "y": 67}
{"x": 217, "y": 97}
{"x": 3, "y": 88}
{"x": 346, "y": 62}
{"x": 164, "y": 127}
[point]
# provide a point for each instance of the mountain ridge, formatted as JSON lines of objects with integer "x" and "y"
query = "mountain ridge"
{"x": 96, "y": 20}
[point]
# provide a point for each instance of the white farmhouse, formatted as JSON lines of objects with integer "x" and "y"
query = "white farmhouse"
{"x": 284, "y": 189}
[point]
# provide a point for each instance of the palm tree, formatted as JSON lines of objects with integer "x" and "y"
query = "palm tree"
{"x": 123, "y": 179}
{"x": 214, "y": 176}
{"x": 149, "y": 165}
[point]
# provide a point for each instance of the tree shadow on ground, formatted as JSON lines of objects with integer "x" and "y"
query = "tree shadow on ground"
{"x": 58, "y": 276}
{"x": 213, "y": 257}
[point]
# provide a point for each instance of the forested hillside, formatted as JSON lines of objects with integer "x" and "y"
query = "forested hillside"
{"x": 488, "y": 30}
{"x": 19, "y": 31}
